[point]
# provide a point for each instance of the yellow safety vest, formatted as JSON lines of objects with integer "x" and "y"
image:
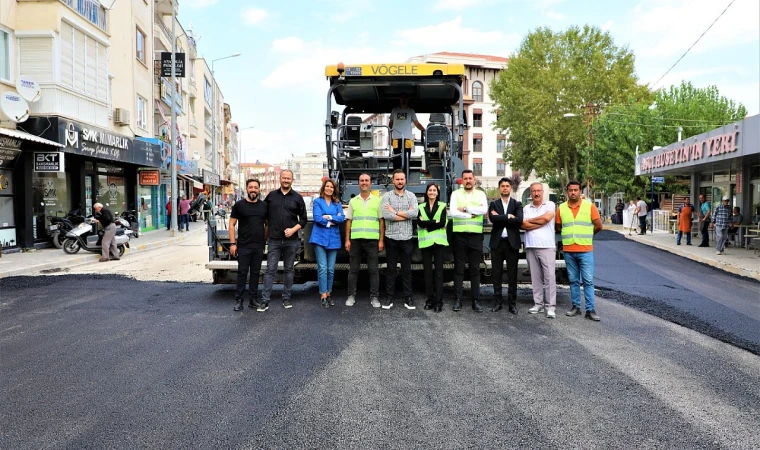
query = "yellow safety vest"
{"x": 471, "y": 225}
{"x": 428, "y": 238}
{"x": 364, "y": 223}
{"x": 579, "y": 229}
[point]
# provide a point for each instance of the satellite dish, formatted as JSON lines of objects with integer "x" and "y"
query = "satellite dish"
{"x": 14, "y": 107}
{"x": 28, "y": 88}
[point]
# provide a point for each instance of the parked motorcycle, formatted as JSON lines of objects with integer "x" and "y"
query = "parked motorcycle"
{"x": 60, "y": 226}
{"x": 86, "y": 236}
{"x": 130, "y": 216}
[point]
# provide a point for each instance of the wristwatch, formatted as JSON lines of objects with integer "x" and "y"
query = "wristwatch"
{"x": 465, "y": 209}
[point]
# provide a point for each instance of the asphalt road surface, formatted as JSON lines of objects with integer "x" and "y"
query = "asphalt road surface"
{"x": 105, "y": 361}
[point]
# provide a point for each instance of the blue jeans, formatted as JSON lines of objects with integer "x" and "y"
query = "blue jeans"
{"x": 184, "y": 219}
{"x": 580, "y": 268}
{"x": 325, "y": 267}
{"x": 681, "y": 233}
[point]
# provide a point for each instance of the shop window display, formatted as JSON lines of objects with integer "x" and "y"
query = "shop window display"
{"x": 50, "y": 197}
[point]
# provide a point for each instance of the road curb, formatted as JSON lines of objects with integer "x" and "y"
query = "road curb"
{"x": 78, "y": 260}
{"x": 700, "y": 259}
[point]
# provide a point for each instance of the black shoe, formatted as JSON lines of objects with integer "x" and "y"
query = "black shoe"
{"x": 253, "y": 303}
{"x": 702, "y": 245}
{"x": 512, "y": 309}
{"x": 457, "y": 305}
{"x": 286, "y": 304}
{"x": 409, "y": 304}
{"x": 497, "y": 306}
{"x": 325, "y": 303}
{"x": 678, "y": 243}
{"x": 688, "y": 243}
{"x": 591, "y": 315}
{"x": 573, "y": 312}
{"x": 238, "y": 306}
{"x": 476, "y": 306}
{"x": 263, "y": 307}
{"x": 428, "y": 305}
{"x": 330, "y": 300}
{"x": 438, "y": 307}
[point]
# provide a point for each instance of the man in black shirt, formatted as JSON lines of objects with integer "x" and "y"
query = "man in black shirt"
{"x": 287, "y": 215}
{"x": 250, "y": 215}
{"x": 108, "y": 245}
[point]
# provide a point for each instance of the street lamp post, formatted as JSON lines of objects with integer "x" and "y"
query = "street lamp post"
{"x": 588, "y": 118}
{"x": 213, "y": 118}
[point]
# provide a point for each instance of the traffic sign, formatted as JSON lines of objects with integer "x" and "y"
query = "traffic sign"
{"x": 658, "y": 179}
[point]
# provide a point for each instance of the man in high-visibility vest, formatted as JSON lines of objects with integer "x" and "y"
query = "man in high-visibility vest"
{"x": 468, "y": 206}
{"x": 578, "y": 220}
{"x": 365, "y": 229}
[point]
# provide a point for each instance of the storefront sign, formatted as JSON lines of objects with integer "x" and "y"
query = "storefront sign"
{"x": 48, "y": 162}
{"x": 210, "y": 178}
{"x": 705, "y": 149}
{"x": 6, "y": 182}
{"x": 166, "y": 64}
{"x": 191, "y": 167}
{"x": 9, "y": 142}
{"x": 150, "y": 178}
{"x": 8, "y": 156}
{"x": 146, "y": 153}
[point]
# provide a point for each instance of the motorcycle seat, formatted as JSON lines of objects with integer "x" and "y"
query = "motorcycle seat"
{"x": 119, "y": 231}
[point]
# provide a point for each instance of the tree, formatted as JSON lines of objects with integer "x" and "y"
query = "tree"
{"x": 553, "y": 74}
{"x": 621, "y": 128}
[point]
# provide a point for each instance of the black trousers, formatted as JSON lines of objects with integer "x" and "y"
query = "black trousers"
{"x": 360, "y": 248}
{"x": 433, "y": 275}
{"x": 249, "y": 260}
{"x": 396, "y": 251}
{"x": 642, "y": 224}
{"x": 705, "y": 230}
{"x": 468, "y": 250}
{"x": 504, "y": 253}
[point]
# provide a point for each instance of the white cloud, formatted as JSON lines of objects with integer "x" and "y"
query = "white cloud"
{"x": 554, "y": 15}
{"x": 452, "y": 36}
{"x": 343, "y": 17}
{"x": 455, "y": 5}
{"x": 287, "y": 45}
{"x": 254, "y": 16}
{"x": 197, "y": 4}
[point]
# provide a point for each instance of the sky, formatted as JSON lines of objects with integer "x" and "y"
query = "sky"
{"x": 277, "y": 85}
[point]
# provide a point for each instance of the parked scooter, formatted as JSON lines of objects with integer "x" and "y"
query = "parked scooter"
{"x": 84, "y": 236}
{"x": 130, "y": 216}
{"x": 60, "y": 226}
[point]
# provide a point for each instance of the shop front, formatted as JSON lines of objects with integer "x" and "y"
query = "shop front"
{"x": 724, "y": 161}
{"x": 100, "y": 167}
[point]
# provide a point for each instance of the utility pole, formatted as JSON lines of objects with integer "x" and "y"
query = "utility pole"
{"x": 590, "y": 143}
{"x": 173, "y": 134}
{"x": 213, "y": 119}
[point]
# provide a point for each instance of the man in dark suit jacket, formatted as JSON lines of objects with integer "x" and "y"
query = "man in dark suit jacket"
{"x": 506, "y": 215}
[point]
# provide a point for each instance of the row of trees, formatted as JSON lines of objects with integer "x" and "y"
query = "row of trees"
{"x": 575, "y": 109}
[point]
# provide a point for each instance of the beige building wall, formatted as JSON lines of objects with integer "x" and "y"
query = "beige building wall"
{"x": 207, "y": 88}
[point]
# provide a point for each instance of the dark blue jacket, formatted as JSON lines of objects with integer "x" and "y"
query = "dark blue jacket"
{"x": 321, "y": 235}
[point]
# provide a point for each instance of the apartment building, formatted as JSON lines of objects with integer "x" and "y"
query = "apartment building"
{"x": 308, "y": 171}
{"x": 267, "y": 174}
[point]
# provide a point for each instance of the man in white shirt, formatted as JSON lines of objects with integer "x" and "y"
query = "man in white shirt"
{"x": 538, "y": 223}
{"x": 641, "y": 212}
{"x": 468, "y": 206}
{"x": 401, "y": 120}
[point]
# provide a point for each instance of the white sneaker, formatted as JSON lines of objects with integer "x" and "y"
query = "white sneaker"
{"x": 350, "y": 300}
{"x": 550, "y": 313}
{"x": 718, "y": 253}
{"x": 536, "y": 309}
{"x": 375, "y": 303}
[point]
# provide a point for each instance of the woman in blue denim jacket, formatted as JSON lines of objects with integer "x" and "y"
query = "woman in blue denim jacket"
{"x": 325, "y": 236}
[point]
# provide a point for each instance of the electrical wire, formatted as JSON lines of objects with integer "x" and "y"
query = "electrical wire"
{"x": 661, "y": 118}
{"x": 658, "y": 126}
{"x": 695, "y": 43}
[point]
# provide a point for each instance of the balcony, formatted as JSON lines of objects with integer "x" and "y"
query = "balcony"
{"x": 62, "y": 101}
{"x": 91, "y": 10}
{"x": 193, "y": 129}
{"x": 162, "y": 33}
{"x": 192, "y": 89}
{"x": 164, "y": 7}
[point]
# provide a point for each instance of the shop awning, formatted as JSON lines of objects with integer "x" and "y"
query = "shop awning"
{"x": 226, "y": 182}
{"x": 15, "y": 134}
{"x": 195, "y": 182}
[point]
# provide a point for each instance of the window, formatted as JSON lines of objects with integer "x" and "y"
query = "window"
{"x": 477, "y": 145}
{"x": 142, "y": 113}
{"x": 5, "y": 55}
{"x": 207, "y": 91}
{"x": 501, "y": 144}
{"x": 84, "y": 63}
{"x": 477, "y": 169}
{"x": 140, "y": 45}
{"x": 477, "y": 91}
{"x": 501, "y": 168}
{"x": 477, "y": 120}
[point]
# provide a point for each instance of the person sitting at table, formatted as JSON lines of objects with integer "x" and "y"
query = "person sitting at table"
{"x": 736, "y": 219}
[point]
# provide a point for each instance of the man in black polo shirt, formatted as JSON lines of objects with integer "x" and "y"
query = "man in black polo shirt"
{"x": 287, "y": 215}
{"x": 250, "y": 215}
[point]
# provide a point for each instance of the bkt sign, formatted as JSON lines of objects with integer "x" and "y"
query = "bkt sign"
{"x": 48, "y": 162}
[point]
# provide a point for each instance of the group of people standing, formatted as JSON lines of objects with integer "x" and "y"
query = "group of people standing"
{"x": 374, "y": 224}
{"x": 723, "y": 219}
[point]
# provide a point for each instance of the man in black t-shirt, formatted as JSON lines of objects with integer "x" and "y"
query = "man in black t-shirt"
{"x": 250, "y": 216}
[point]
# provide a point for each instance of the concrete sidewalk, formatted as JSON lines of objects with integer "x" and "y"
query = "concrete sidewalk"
{"x": 53, "y": 259}
{"x": 736, "y": 260}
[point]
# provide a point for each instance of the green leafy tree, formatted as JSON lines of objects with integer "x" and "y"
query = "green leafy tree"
{"x": 621, "y": 128}
{"x": 552, "y": 74}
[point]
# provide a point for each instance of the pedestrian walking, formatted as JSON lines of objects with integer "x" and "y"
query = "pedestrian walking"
{"x": 722, "y": 222}
{"x": 468, "y": 207}
{"x": 685, "y": 217}
{"x": 169, "y": 214}
{"x": 538, "y": 223}
{"x": 287, "y": 215}
{"x": 325, "y": 237}
{"x": 704, "y": 220}
{"x": 365, "y": 232}
{"x": 578, "y": 221}
{"x": 247, "y": 242}
{"x": 399, "y": 208}
{"x": 506, "y": 215}
{"x": 184, "y": 211}
{"x": 641, "y": 212}
{"x": 106, "y": 219}
{"x": 432, "y": 240}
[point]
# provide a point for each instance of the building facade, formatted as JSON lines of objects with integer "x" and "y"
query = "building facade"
{"x": 308, "y": 171}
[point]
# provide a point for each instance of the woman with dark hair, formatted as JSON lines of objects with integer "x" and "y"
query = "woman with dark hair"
{"x": 325, "y": 237}
{"x": 431, "y": 237}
